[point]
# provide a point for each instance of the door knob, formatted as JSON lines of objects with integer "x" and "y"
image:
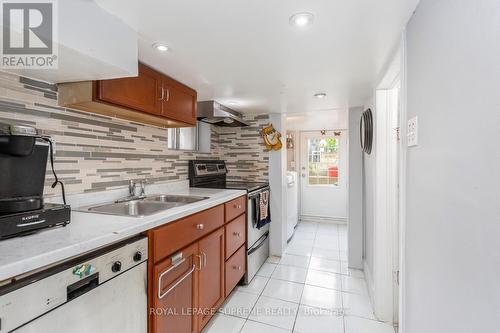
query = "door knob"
{"x": 303, "y": 175}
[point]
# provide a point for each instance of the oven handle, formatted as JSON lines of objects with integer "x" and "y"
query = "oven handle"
{"x": 252, "y": 195}
{"x": 179, "y": 281}
{"x": 264, "y": 237}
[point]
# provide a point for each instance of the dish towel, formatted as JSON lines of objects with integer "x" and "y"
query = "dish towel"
{"x": 263, "y": 212}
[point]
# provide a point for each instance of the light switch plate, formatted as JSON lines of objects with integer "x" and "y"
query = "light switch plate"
{"x": 412, "y": 132}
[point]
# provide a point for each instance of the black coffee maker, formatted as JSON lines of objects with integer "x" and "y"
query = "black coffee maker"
{"x": 23, "y": 165}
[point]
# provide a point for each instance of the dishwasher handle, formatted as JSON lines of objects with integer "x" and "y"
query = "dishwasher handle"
{"x": 82, "y": 287}
{"x": 179, "y": 281}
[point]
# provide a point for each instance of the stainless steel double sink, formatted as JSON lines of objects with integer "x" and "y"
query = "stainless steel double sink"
{"x": 143, "y": 207}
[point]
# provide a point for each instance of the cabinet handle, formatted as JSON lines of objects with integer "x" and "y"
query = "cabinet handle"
{"x": 237, "y": 234}
{"x": 200, "y": 226}
{"x": 168, "y": 94}
{"x": 237, "y": 206}
{"x": 169, "y": 290}
{"x": 162, "y": 93}
{"x": 200, "y": 262}
{"x": 237, "y": 268}
{"x": 204, "y": 259}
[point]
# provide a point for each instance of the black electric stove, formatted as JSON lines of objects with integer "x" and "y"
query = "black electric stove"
{"x": 213, "y": 174}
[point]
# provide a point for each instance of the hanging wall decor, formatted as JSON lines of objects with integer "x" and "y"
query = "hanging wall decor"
{"x": 272, "y": 138}
{"x": 366, "y": 131}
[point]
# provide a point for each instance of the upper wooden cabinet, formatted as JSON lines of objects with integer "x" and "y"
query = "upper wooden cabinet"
{"x": 141, "y": 93}
{"x": 150, "y": 98}
{"x": 179, "y": 102}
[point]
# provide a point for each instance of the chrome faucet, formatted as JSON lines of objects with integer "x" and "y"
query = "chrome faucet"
{"x": 132, "y": 189}
{"x": 143, "y": 183}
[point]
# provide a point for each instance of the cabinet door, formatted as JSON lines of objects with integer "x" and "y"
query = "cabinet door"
{"x": 179, "y": 102}
{"x": 211, "y": 275}
{"x": 142, "y": 92}
{"x": 175, "y": 282}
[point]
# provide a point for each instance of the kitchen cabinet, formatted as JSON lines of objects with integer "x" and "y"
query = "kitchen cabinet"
{"x": 235, "y": 235}
{"x": 179, "y": 102}
{"x": 175, "y": 292}
{"x": 211, "y": 275}
{"x": 187, "y": 265}
{"x": 141, "y": 93}
{"x": 235, "y": 270}
{"x": 149, "y": 98}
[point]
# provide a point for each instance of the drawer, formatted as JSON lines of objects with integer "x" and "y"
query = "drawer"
{"x": 235, "y": 208}
{"x": 235, "y": 269}
{"x": 235, "y": 235}
{"x": 176, "y": 235}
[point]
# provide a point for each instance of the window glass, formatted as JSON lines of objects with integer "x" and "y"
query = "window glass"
{"x": 323, "y": 156}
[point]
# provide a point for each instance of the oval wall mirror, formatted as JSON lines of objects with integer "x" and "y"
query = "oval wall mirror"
{"x": 366, "y": 131}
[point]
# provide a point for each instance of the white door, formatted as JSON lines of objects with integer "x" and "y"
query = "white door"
{"x": 323, "y": 191}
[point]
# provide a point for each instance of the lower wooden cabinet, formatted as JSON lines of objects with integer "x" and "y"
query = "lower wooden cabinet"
{"x": 187, "y": 287}
{"x": 235, "y": 269}
{"x": 174, "y": 292}
{"x": 211, "y": 275}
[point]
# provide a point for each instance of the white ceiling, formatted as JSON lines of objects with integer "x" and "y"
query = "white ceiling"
{"x": 246, "y": 51}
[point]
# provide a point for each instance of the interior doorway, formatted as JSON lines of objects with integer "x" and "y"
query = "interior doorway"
{"x": 322, "y": 173}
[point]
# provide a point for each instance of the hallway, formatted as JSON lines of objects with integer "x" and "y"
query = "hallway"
{"x": 309, "y": 289}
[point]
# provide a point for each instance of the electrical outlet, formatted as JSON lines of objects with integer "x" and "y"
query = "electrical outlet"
{"x": 412, "y": 132}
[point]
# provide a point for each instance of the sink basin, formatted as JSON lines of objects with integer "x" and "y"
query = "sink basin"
{"x": 145, "y": 207}
{"x": 175, "y": 199}
{"x": 133, "y": 208}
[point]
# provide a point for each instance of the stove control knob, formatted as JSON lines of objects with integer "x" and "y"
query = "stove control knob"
{"x": 116, "y": 267}
{"x": 138, "y": 256}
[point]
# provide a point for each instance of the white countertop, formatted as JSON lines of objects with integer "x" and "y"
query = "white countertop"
{"x": 89, "y": 231}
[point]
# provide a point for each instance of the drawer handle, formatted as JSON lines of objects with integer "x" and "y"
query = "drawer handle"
{"x": 200, "y": 226}
{"x": 237, "y": 234}
{"x": 237, "y": 206}
{"x": 169, "y": 290}
{"x": 237, "y": 268}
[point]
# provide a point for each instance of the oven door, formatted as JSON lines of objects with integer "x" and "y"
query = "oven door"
{"x": 254, "y": 234}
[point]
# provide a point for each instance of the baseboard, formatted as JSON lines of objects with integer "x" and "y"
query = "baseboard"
{"x": 320, "y": 219}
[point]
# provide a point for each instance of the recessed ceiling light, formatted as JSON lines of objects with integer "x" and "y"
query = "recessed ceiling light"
{"x": 320, "y": 95}
{"x": 301, "y": 20}
{"x": 160, "y": 47}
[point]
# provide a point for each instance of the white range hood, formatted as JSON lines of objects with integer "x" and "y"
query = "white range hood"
{"x": 93, "y": 44}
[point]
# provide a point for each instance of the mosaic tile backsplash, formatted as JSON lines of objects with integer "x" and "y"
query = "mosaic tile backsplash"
{"x": 95, "y": 153}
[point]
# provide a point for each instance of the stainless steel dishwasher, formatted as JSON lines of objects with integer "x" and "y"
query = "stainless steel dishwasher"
{"x": 102, "y": 292}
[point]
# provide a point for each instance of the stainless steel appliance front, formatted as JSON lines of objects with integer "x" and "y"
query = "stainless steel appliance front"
{"x": 257, "y": 239}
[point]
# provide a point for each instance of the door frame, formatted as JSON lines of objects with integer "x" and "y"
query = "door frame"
{"x": 384, "y": 232}
{"x": 343, "y": 184}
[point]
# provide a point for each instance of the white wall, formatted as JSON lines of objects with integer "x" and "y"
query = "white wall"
{"x": 453, "y": 180}
{"x": 277, "y": 183}
{"x": 318, "y": 120}
{"x": 355, "y": 191}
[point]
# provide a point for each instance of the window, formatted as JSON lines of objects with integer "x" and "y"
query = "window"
{"x": 323, "y": 156}
{"x": 196, "y": 138}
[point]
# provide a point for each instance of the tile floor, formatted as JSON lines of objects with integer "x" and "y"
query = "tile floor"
{"x": 309, "y": 289}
